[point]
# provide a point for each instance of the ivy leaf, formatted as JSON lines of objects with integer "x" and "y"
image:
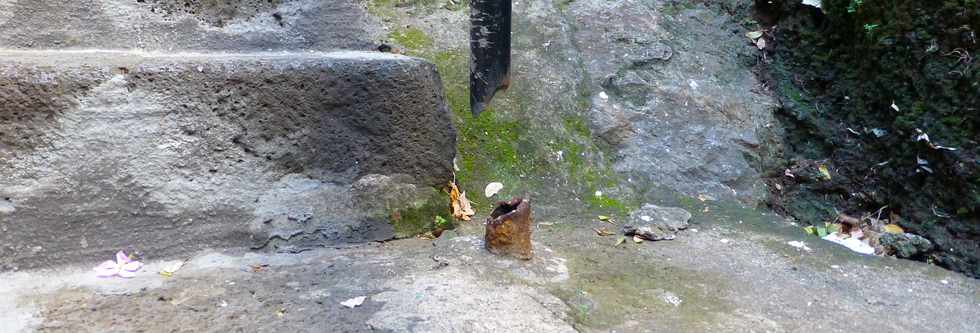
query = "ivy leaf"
{"x": 825, "y": 172}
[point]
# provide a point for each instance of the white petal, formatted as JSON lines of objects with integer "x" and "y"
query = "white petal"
{"x": 492, "y": 189}
{"x": 354, "y": 302}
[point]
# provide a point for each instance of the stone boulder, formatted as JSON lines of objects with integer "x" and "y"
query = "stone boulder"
{"x": 905, "y": 245}
{"x": 654, "y": 223}
{"x": 172, "y": 153}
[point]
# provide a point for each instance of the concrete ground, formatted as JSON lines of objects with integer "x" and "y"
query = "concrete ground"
{"x": 586, "y": 77}
{"x": 732, "y": 271}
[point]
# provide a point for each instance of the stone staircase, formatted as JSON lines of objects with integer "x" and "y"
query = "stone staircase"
{"x": 206, "y": 127}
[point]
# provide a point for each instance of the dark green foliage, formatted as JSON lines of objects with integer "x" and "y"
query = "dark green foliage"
{"x": 839, "y": 71}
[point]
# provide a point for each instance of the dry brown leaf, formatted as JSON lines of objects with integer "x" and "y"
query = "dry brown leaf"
{"x": 466, "y": 207}
{"x": 454, "y": 198}
{"x": 893, "y": 229}
{"x": 462, "y": 209}
{"x": 602, "y": 232}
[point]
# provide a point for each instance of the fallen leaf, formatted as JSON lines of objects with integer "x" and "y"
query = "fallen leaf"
{"x": 173, "y": 268}
{"x": 492, "y": 189}
{"x": 753, "y": 35}
{"x": 467, "y": 208}
{"x": 621, "y": 240}
{"x": 461, "y": 206}
{"x": 893, "y": 229}
{"x": 811, "y": 230}
{"x": 354, "y": 302}
{"x": 637, "y": 239}
{"x": 603, "y": 218}
{"x": 822, "y": 232}
{"x": 258, "y": 268}
{"x": 825, "y": 172}
{"x": 602, "y": 232}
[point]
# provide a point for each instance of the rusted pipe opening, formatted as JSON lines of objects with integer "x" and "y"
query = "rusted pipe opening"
{"x": 508, "y": 230}
{"x": 505, "y": 208}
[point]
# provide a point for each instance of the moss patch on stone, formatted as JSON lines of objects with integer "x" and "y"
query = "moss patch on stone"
{"x": 420, "y": 216}
{"x": 411, "y": 38}
{"x": 508, "y": 143}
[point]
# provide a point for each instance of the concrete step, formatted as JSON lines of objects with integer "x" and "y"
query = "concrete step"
{"x": 167, "y": 25}
{"x": 170, "y": 153}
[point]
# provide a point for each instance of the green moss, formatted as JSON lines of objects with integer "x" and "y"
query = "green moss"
{"x": 389, "y": 9}
{"x": 506, "y": 143}
{"x": 421, "y": 216}
{"x": 411, "y": 38}
{"x": 577, "y": 125}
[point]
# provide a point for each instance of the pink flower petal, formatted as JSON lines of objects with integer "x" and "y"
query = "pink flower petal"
{"x": 126, "y": 274}
{"x": 121, "y": 257}
{"x": 107, "y": 265}
{"x": 107, "y": 269}
{"x": 132, "y": 266}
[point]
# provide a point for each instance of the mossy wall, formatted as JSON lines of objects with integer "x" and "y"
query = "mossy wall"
{"x": 860, "y": 82}
{"x": 534, "y": 147}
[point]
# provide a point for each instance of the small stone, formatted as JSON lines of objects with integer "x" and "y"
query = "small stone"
{"x": 904, "y": 245}
{"x": 508, "y": 230}
{"x": 652, "y": 222}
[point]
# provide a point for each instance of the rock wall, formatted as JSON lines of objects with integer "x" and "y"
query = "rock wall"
{"x": 612, "y": 104}
{"x": 169, "y": 126}
{"x": 169, "y": 25}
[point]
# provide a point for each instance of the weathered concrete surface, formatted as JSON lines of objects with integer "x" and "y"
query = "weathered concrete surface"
{"x": 752, "y": 282}
{"x": 674, "y": 96}
{"x": 186, "y": 25}
{"x": 409, "y": 287}
{"x": 178, "y": 152}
